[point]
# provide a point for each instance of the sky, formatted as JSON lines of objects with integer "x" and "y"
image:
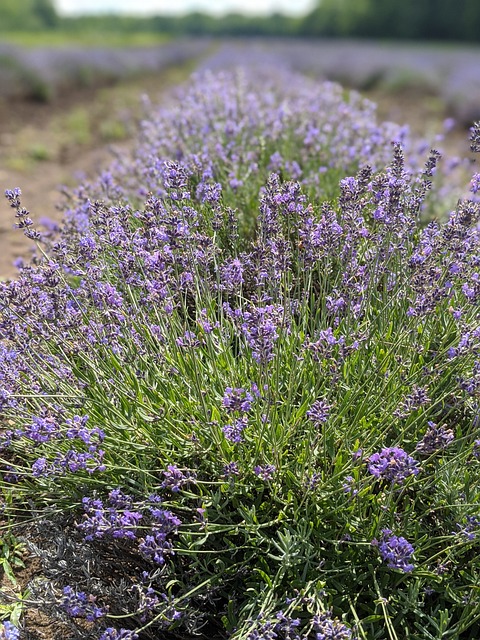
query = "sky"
{"x": 217, "y": 7}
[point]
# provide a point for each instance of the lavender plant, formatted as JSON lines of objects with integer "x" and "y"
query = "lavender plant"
{"x": 244, "y": 405}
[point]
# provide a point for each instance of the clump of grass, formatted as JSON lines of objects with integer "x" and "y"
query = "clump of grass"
{"x": 253, "y": 422}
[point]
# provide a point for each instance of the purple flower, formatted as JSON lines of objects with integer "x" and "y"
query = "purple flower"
{"x": 230, "y": 470}
{"x": 324, "y": 347}
{"x": 260, "y": 327}
{"x": 175, "y": 479}
{"x": 328, "y": 628}
{"x": 435, "y": 439}
{"x": 319, "y": 412}
{"x": 414, "y": 400}
{"x": 265, "y": 631}
{"x": 154, "y": 547}
{"x": 148, "y": 599}
{"x": 188, "y": 340}
{"x": 475, "y": 183}
{"x": 470, "y": 529}
{"x": 237, "y": 400}
{"x": 99, "y": 522}
{"x": 349, "y": 485}
{"x": 42, "y": 429}
{"x": 9, "y": 631}
{"x": 233, "y": 432}
{"x": 472, "y": 384}
{"x": 392, "y": 464}
{"x": 119, "y": 500}
{"x": 41, "y": 468}
{"x": 118, "y": 634}
{"x": 77, "y": 429}
{"x": 105, "y": 295}
{"x": 475, "y": 137}
{"x": 13, "y": 196}
{"x": 78, "y": 605}
{"x": 395, "y": 551}
{"x": 265, "y": 472}
{"x": 164, "y": 520}
{"x": 73, "y": 460}
{"x": 312, "y": 482}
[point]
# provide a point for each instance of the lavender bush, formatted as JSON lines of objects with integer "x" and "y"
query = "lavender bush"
{"x": 240, "y": 389}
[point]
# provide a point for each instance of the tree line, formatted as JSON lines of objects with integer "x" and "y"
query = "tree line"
{"x": 397, "y": 19}
{"x": 457, "y": 20}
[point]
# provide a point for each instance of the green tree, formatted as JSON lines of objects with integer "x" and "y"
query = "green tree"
{"x": 27, "y": 14}
{"x": 427, "y": 19}
{"x": 45, "y": 12}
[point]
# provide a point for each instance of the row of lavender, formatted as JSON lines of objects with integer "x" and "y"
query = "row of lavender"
{"x": 453, "y": 74}
{"x": 44, "y": 73}
{"x": 450, "y": 73}
{"x": 240, "y": 388}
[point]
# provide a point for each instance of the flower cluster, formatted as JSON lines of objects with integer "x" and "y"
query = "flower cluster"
{"x": 9, "y": 631}
{"x": 435, "y": 439}
{"x": 414, "y": 400}
{"x": 78, "y": 604}
{"x": 318, "y": 412}
{"x": 233, "y": 432}
{"x": 470, "y": 529}
{"x": 239, "y": 400}
{"x": 125, "y": 519}
{"x": 175, "y": 478}
{"x": 264, "y": 472}
{"x": 45, "y": 427}
{"x": 395, "y": 551}
{"x": 327, "y": 627}
{"x": 118, "y": 634}
{"x": 286, "y": 627}
{"x": 392, "y": 464}
{"x": 260, "y": 326}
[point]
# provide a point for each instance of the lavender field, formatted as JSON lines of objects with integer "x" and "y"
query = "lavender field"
{"x": 44, "y": 73}
{"x": 240, "y": 385}
{"x": 450, "y": 72}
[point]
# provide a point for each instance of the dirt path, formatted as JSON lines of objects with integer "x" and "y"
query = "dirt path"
{"x": 40, "y": 195}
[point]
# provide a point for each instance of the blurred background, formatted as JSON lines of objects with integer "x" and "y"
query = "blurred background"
{"x": 72, "y": 73}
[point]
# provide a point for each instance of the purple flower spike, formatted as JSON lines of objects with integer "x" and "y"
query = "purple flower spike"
{"x": 9, "y": 631}
{"x": 237, "y": 400}
{"x": 435, "y": 439}
{"x": 233, "y": 432}
{"x": 78, "y": 604}
{"x": 265, "y": 472}
{"x": 392, "y": 464}
{"x": 395, "y": 551}
{"x": 319, "y": 412}
{"x": 329, "y": 628}
{"x": 230, "y": 470}
{"x": 118, "y": 634}
{"x": 175, "y": 479}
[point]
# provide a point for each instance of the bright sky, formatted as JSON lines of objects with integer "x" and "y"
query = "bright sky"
{"x": 217, "y": 7}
